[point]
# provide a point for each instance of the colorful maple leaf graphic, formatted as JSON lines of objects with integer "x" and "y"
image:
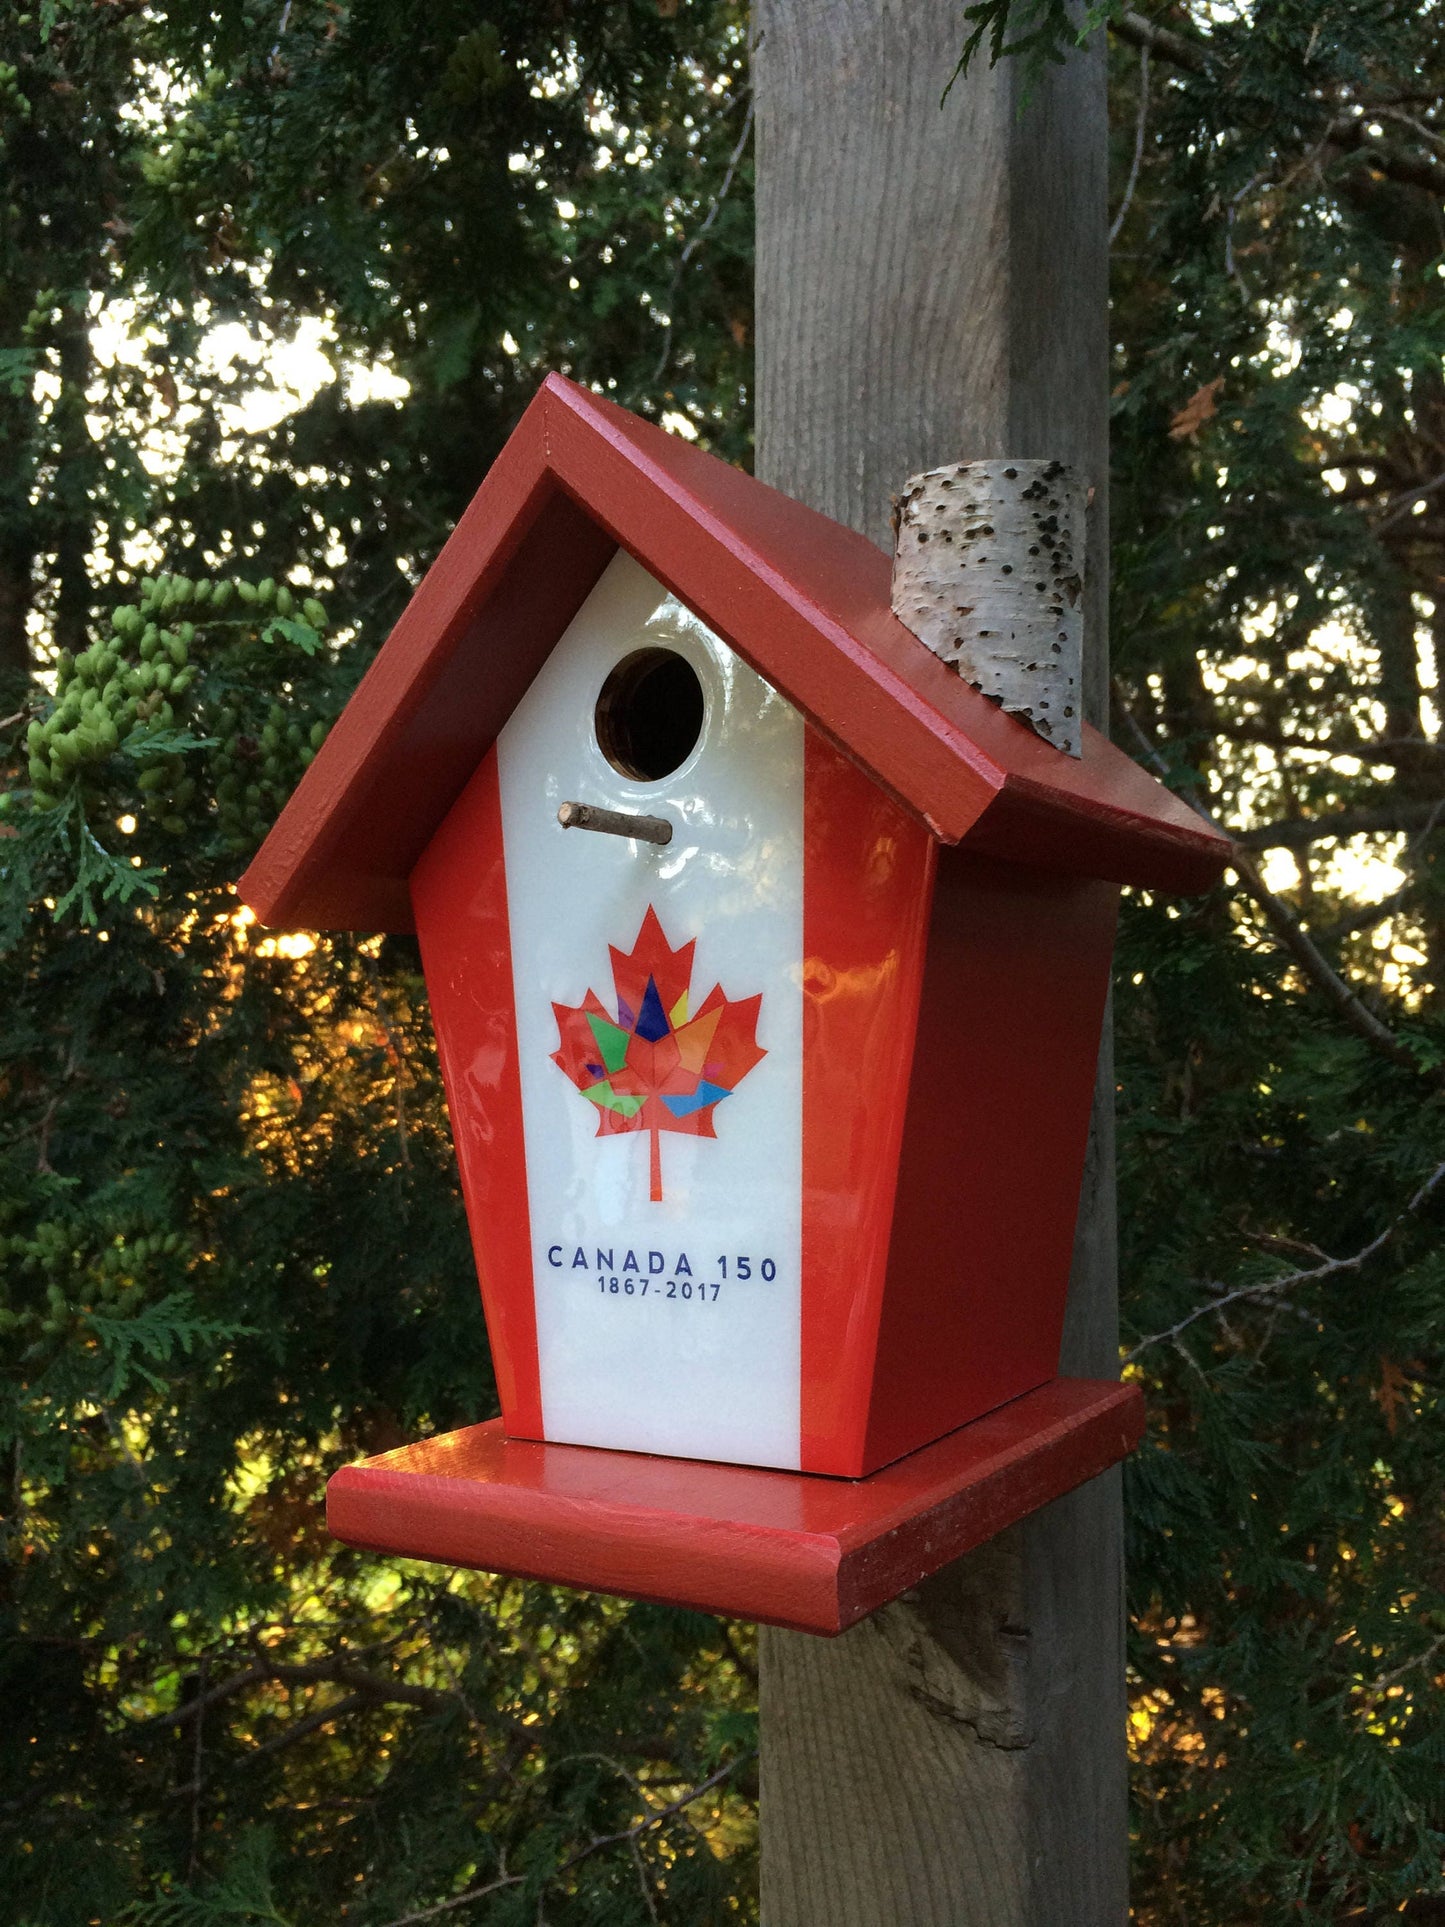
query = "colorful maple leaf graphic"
{"x": 653, "y": 1067}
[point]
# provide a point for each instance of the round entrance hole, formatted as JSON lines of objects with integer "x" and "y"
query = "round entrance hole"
{"x": 649, "y": 715}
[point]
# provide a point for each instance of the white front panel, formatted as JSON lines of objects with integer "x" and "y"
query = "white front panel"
{"x": 700, "y": 1358}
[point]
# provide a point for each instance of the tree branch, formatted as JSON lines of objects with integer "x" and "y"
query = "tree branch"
{"x": 746, "y": 1666}
{"x": 310, "y": 1723}
{"x": 687, "y": 253}
{"x": 228, "y": 1688}
{"x": 1173, "y": 47}
{"x": 1412, "y": 121}
{"x": 1397, "y": 751}
{"x": 1365, "y": 917}
{"x": 392, "y": 1692}
{"x": 1312, "y": 1274}
{"x": 1296, "y": 833}
{"x": 627, "y": 1837}
{"x": 396, "y": 1057}
{"x": 1140, "y": 124}
{"x": 1345, "y": 134}
{"x": 366, "y": 1688}
{"x": 1290, "y": 934}
{"x": 1350, "y": 137}
{"x": 1414, "y": 495}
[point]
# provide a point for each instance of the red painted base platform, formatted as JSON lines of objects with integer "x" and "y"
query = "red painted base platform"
{"x": 791, "y": 1548}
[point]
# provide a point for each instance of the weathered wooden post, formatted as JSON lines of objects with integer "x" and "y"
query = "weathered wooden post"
{"x": 932, "y": 287}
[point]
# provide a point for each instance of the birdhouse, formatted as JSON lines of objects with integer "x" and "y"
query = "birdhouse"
{"x": 767, "y": 959}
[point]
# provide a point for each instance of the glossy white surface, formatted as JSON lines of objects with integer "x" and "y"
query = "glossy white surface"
{"x": 714, "y": 1376}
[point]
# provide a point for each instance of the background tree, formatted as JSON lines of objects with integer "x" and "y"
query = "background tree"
{"x": 1280, "y": 461}
{"x": 231, "y": 1251}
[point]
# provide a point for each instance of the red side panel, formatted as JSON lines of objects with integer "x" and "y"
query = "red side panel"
{"x": 459, "y": 896}
{"x": 993, "y": 1146}
{"x": 868, "y": 869}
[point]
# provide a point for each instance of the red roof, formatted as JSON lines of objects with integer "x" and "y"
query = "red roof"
{"x": 801, "y": 598}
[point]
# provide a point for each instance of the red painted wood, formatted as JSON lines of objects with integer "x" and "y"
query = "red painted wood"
{"x": 459, "y": 891}
{"x": 993, "y": 1146}
{"x": 801, "y": 598}
{"x": 519, "y": 566}
{"x": 925, "y": 1300}
{"x": 867, "y": 891}
{"x": 940, "y": 1175}
{"x": 807, "y": 602}
{"x": 793, "y": 1550}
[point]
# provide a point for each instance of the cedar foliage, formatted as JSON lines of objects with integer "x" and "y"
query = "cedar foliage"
{"x": 231, "y": 1250}
{"x": 1279, "y": 459}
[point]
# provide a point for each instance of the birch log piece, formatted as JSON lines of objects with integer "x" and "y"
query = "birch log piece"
{"x": 988, "y": 571}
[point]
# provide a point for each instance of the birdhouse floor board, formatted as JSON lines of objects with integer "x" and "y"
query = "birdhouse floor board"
{"x": 788, "y": 1548}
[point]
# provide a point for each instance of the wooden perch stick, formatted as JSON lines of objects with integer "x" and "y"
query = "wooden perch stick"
{"x": 988, "y": 571}
{"x": 587, "y": 816}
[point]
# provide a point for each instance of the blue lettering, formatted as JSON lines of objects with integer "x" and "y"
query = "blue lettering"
{"x": 579, "y": 1259}
{"x": 554, "y": 1256}
{"x": 656, "y": 1263}
{"x": 629, "y": 1263}
{"x": 682, "y": 1267}
{"x": 604, "y": 1259}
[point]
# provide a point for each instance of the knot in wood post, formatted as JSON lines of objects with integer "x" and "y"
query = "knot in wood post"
{"x": 988, "y": 572}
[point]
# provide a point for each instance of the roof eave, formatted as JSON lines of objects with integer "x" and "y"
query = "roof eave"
{"x": 800, "y": 598}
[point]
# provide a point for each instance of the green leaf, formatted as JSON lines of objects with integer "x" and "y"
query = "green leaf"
{"x": 17, "y": 369}
{"x": 133, "y": 1345}
{"x": 242, "y": 1893}
{"x": 148, "y": 745}
{"x": 100, "y": 875}
{"x": 293, "y": 629}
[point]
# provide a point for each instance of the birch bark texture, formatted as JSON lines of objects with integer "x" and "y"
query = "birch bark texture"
{"x": 988, "y": 562}
{"x": 932, "y": 286}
